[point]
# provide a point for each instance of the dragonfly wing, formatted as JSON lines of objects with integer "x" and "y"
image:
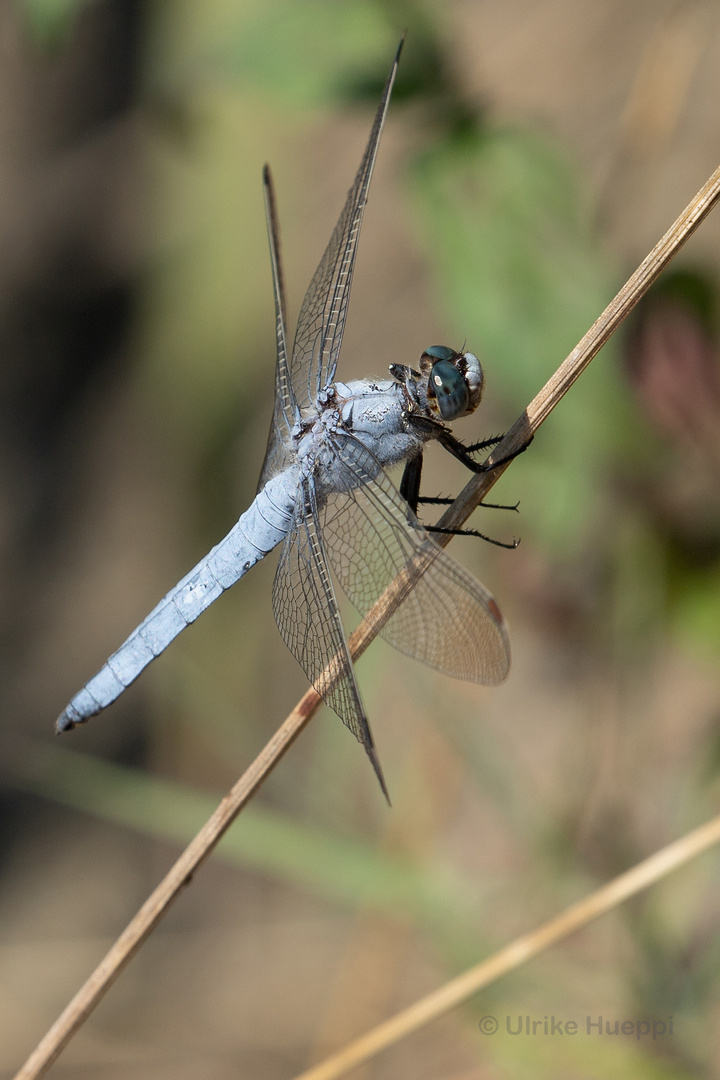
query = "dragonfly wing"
{"x": 278, "y": 454}
{"x": 307, "y": 615}
{"x": 447, "y": 620}
{"x": 322, "y": 317}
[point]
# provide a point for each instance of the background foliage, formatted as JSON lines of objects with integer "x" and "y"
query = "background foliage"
{"x": 533, "y": 155}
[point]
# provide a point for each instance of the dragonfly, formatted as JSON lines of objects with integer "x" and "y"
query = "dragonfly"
{"x": 326, "y": 496}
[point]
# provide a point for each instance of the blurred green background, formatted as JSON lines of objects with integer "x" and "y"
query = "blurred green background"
{"x": 534, "y": 153}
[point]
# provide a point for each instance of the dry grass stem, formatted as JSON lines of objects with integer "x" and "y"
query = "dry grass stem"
{"x": 573, "y": 366}
{"x": 200, "y": 847}
{"x": 181, "y": 874}
{"x": 519, "y": 951}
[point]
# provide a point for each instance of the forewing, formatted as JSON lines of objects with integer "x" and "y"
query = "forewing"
{"x": 322, "y": 317}
{"x": 447, "y": 620}
{"x": 278, "y": 454}
{"x": 308, "y": 618}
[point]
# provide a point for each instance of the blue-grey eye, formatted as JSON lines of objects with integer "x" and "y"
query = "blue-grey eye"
{"x": 440, "y": 352}
{"x": 449, "y": 388}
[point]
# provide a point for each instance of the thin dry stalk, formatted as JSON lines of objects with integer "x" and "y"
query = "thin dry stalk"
{"x": 200, "y": 847}
{"x": 476, "y": 978}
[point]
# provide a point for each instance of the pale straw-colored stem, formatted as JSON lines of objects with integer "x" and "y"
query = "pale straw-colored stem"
{"x": 517, "y": 437}
{"x": 476, "y": 978}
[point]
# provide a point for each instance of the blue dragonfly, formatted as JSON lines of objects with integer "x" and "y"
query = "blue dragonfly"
{"x": 325, "y": 495}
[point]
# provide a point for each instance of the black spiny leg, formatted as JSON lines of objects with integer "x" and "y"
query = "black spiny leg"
{"x": 486, "y": 444}
{"x": 410, "y": 491}
{"x": 462, "y": 453}
{"x": 473, "y": 532}
{"x": 440, "y": 501}
{"x": 410, "y": 483}
{"x": 474, "y": 448}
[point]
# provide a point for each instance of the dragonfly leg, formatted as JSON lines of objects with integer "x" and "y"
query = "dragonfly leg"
{"x": 435, "y": 500}
{"x": 410, "y": 483}
{"x": 485, "y": 444}
{"x": 410, "y": 491}
{"x": 463, "y": 453}
{"x": 472, "y": 532}
{"x": 442, "y": 501}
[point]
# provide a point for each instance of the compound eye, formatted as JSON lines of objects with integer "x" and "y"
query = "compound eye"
{"x": 440, "y": 352}
{"x": 448, "y": 386}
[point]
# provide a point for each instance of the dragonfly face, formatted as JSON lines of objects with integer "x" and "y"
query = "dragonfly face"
{"x": 454, "y": 381}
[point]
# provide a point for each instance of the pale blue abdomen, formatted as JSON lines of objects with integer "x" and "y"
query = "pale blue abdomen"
{"x": 257, "y": 532}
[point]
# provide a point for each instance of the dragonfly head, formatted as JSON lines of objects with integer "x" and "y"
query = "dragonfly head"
{"x": 454, "y": 381}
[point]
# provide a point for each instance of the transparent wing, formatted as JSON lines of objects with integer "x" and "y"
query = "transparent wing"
{"x": 447, "y": 620}
{"x": 322, "y": 317}
{"x": 278, "y": 454}
{"x": 308, "y": 618}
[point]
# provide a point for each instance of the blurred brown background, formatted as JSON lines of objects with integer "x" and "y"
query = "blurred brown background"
{"x": 534, "y": 153}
